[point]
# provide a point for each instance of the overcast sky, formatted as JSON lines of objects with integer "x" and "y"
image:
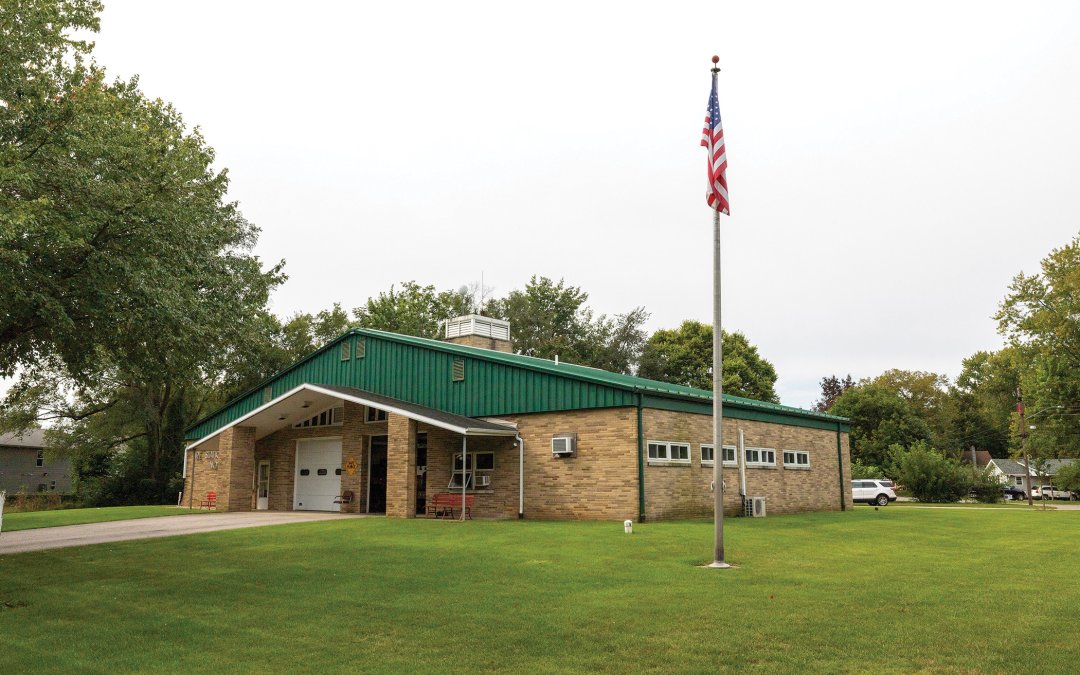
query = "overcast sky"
{"x": 891, "y": 168}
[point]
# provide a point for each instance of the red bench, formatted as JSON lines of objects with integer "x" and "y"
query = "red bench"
{"x": 444, "y": 503}
{"x": 210, "y": 502}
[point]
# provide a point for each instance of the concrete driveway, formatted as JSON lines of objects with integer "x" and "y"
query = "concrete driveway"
{"x": 149, "y": 528}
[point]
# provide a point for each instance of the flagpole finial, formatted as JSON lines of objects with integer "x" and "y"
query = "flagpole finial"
{"x": 715, "y": 64}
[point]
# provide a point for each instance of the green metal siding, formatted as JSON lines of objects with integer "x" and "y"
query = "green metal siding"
{"x": 419, "y": 371}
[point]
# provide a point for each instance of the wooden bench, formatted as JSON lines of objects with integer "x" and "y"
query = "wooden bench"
{"x": 210, "y": 502}
{"x": 444, "y": 503}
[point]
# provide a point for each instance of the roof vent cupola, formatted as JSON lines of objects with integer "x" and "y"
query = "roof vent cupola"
{"x": 474, "y": 330}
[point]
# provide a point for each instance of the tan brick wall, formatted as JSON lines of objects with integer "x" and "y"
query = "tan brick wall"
{"x": 483, "y": 343}
{"x": 400, "y": 467}
{"x": 682, "y": 491}
{"x": 599, "y": 482}
{"x": 224, "y": 465}
{"x": 497, "y": 501}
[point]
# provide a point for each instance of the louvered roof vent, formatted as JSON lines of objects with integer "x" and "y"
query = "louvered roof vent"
{"x": 480, "y": 326}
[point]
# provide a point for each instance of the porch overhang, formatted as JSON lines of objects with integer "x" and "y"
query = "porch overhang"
{"x": 301, "y": 401}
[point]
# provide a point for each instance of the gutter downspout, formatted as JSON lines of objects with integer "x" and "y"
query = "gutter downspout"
{"x": 521, "y": 477}
{"x": 742, "y": 467}
{"x": 840, "y": 467}
{"x": 640, "y": 463}
{"x": 191, "y": 497}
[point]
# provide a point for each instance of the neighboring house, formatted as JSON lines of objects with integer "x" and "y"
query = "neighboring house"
{"x": 1015, "y": 472}
{"x": 25, "y": 466}
{"x": 393, "y": 420}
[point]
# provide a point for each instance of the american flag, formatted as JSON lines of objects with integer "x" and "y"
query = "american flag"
{"x": 712, "y": 137}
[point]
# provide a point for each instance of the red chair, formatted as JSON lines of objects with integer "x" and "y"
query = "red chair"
{"x": 210, "y": 502}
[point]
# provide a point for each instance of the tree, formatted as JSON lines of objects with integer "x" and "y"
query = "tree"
{"x": 1068, "y": 477}
{"x": 831, "y": 388}
{"x": 129, "y": 287}
{"x": 684, "y": 356}
{"x": 1039, "y": 317}
{"x": 549, "y": 319}
{"x": 413, "y": 309}
{"x": 880, "y": 418}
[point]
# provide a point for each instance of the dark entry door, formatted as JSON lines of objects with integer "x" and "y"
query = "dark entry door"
{"x": 421, "y": 474}
{"x": 377, "y": 476}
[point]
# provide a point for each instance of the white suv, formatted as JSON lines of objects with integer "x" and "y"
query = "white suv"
{"x": 878, "y": 491}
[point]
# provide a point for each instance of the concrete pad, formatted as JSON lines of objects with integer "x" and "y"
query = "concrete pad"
{"x": 45, "y": 538}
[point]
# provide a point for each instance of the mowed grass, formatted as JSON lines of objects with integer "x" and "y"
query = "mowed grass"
{"x": 33, "y": 519}
{"x": 893, "y": 590}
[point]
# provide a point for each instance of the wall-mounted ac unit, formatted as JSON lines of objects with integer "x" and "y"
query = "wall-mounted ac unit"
{"x": 755, "y": 506}
{"x": 563, "y": 445}
{"x": 483, "y": 481}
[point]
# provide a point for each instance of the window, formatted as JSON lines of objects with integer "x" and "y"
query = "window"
{"x": 666, "y": 452}
{"x": 374, "y": 415}
{"x": 41, "y": 487}
{"x": 331, "y": 417}
{"x": 40, "y": 458}
{"x": 796, "y": 459}
{"x": 760, "y": 457}
{"x": 52, "y": 485}
{"x": 708, "y": 454}
{"x": 1020, "y": 480}
{"x": 305, "y": 472}
{"x": 481, "y": 464}
{"x": 321, "y": 472}
{"x": 457, "y": 373}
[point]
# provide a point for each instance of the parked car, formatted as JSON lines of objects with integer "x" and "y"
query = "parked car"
{"x": 877, "y": 491}
{"x": 1049, "y": 492}
{"x": 1010, "y": 492}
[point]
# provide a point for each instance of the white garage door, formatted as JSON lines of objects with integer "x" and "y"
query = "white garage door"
{"x": 318, "y": 475}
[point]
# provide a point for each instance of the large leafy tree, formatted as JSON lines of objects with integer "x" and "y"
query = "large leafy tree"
{"x": 412, "y": 309}
{"x": 683, "y": 355}
{"x": 128, "y": 285}
{"x": 1041, "y": 318}
{"x": 880, "y": 417}
{"x": 549, "y": 319}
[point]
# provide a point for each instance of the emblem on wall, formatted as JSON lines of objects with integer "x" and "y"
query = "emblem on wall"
{"x": 351, "y": 466}
{"x": 210, "y": 456}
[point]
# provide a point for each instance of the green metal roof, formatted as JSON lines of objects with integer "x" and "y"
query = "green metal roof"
{"x": 419, "y": 370}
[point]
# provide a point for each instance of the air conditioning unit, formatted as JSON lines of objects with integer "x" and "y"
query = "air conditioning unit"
{"x": 563, "y": 445}
{"x": 483, "y": 481}
{"x": 755, "y": 507}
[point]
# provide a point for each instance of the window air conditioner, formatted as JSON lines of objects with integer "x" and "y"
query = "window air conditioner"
{"x": 563, "y": 445}
{"x": 755, "y": 506}
{"x": 483, "y": 481}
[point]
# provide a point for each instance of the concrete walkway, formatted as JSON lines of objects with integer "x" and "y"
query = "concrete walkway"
{"x": 45, "y": 538}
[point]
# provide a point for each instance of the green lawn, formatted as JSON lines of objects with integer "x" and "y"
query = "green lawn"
{"x": 34, "y": 519}
{"x": 894, "y": 590}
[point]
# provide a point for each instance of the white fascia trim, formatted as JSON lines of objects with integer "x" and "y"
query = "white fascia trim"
{"x": 466, "y": 431}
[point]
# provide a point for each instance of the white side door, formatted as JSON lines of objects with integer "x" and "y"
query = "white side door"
{"x": 318, "y": 475}
{"x": 262, "y": 486}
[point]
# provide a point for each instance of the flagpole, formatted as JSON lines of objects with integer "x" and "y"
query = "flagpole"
{"x": 718, "y": 392}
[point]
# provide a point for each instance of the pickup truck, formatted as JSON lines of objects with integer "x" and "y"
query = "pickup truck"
{"x": 1050, "y": 492}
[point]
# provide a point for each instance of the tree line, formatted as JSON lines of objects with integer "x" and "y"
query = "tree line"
{"x": 899, "y": 410}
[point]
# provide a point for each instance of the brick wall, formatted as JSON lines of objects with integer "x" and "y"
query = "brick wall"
{"x": 226, "y": 465}
{"x": 682, "y": 491}
{"x": 483, "y": 343}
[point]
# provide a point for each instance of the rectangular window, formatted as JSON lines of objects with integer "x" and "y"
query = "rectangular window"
{"x": 375, "y": 415}
{"x": 729, "y": 455}
{"x": 797, "y": 459}
{"x": 478, "y": 472}
{"x": 667, "y": 452}
{"x": 52, "y": 485}
{"x": 760, "y": 457}
{"x": 1020, "y": 480}
{"x": 41, "y": 458}
{"x": 708, "y": 454}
